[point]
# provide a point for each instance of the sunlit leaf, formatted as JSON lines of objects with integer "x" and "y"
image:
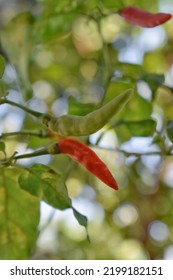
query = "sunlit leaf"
{"x": 117, "y": 87}
{"x": 17, "y": 41}
{"x": 114, "y": 5}
{"x": 142, "y": 128}
{"x": 154, "y": 62}
{"x": 53, "y": 27}
{"x": 19, "y": 217}
{"x": 138, "y": 108}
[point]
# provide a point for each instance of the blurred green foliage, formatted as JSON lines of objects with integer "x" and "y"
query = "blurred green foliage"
{"x": 71, "y": 57}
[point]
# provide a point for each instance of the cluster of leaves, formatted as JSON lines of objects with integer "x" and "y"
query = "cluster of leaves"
{"x": 63, "y": 57}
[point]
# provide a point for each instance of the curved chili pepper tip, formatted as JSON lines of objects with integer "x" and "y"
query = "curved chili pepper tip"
{"x": 73, "y": 125}
{"x": 143, "y": 18}
{"x": 88, "y": 158}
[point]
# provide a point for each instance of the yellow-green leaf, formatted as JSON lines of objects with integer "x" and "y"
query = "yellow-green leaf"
{"x": 17, "y": 41}
{"x": 19, "y": 217}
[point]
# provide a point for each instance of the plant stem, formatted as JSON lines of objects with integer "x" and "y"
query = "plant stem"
{"x": 152, "y": 153}
{"x": 137, "y": 154}
{"x": 41, "y": 133}
{"x": 24, "y": 108}
{"x": 34, "y": 154}
{"x": 45, "y": 151}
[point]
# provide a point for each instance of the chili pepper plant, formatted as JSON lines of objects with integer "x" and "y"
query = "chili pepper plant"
{"x": 82, "y": 120}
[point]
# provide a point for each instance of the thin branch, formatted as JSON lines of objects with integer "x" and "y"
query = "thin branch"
{"x": 45, "y": 151}
{"x": 24, "y": 108}
{"x": 41, "y": 133}
{"x": 151, "y": 153}
{"x": 50, "y": 150}
{"x": 137, "y": 154}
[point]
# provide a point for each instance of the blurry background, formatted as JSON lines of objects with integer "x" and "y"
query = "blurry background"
{"x": 68, "y": 50}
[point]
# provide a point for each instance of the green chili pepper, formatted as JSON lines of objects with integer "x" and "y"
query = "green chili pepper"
{"x": 71, "y": 125}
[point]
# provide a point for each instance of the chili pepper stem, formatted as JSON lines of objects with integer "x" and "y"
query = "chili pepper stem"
{"x": 45, "y": 151}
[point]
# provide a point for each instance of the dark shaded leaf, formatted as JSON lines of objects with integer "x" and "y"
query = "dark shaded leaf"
{"x": 170, "y": 130}
{"x": 153, "y": 80}
{"x": 2, "y": 146}
{"x": 82, "y": 220}
{"x": 141, "y": 127}
{"x": 2, "y": 66}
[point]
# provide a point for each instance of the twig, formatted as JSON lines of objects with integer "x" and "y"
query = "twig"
{"x": 41, "y": 133}
{"x": 45, "y": 151}
{"x": 24, "y": 108}
{"x": 168, "y": 152}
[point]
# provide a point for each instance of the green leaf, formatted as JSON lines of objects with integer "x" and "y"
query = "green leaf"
{"x": 80, "y": 109}
{"x": 82, "y": 220}
{"x": 137, "y": 109}
{"x": 154, "y": 62}
{"x": 116, "y": 88}
{"x": 130, "y": 70}
{"x": 2, "y": 146}
{"x": 153, "y": 80}
{"x": 19, "y": 217}
{"x": 114, "y": 5}
{"x": 141, "y": 128}
{"x": 53, "y": 26}
{"x": 127, "y": 72}
{"x": 17, "y": 40}
{"x": 51, "y": 6}
{"x": 2, "y": 66}
{"x": 44, "y": 182}
{"x": 170, "y": 130}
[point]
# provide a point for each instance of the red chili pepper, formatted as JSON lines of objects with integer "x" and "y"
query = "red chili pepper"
{"x": 143, "y": 18}
{"x": 84, "y": 155}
